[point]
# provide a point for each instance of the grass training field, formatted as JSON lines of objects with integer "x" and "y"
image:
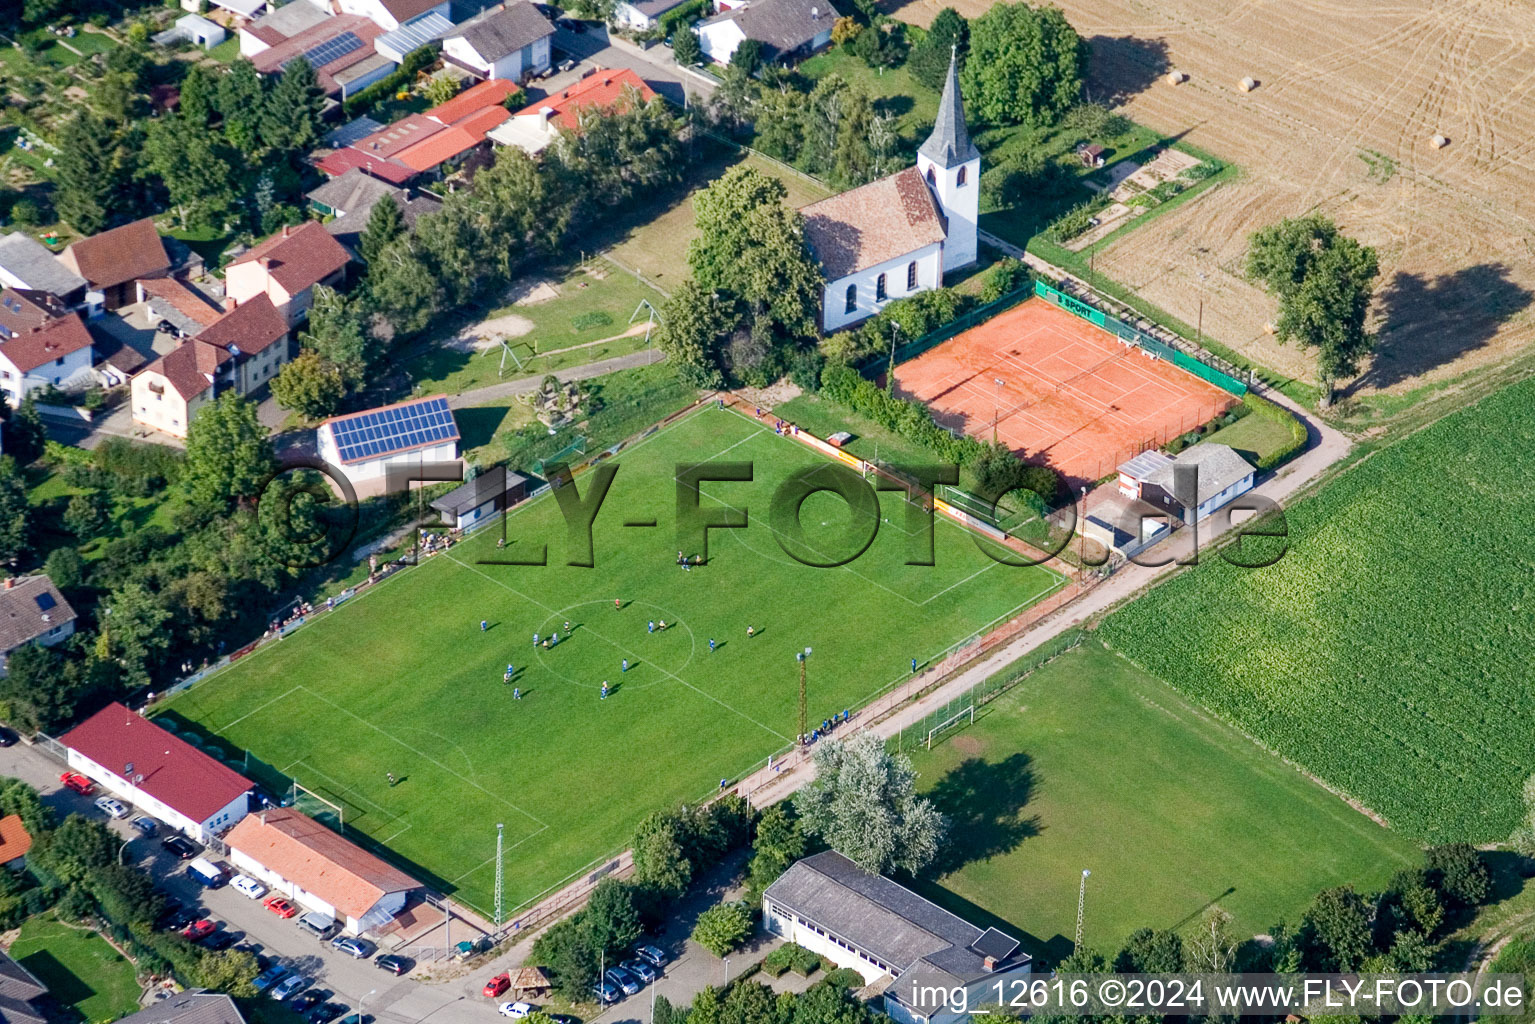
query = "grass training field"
{"x": 404, "y": 680}
{"x": 1388, "y": 651}
{"x": 84, "y": 974}
{"x": 1091, "y": 763}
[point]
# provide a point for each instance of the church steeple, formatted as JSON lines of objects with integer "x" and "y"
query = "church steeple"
{"x": 950, "y": 145}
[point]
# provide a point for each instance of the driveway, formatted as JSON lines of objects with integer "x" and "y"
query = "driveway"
{"x": 655, "y": 65}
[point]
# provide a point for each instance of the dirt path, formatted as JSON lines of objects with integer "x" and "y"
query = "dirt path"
{"x": 527, "y": 385}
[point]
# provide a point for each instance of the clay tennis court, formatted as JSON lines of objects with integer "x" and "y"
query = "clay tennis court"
{"x": 1060, "y": 390}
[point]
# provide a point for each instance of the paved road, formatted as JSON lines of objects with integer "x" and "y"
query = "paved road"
{"x": 527, "y": 385}
{"x": 654, "y": 65}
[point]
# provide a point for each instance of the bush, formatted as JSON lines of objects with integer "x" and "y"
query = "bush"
{"x": 415, "y": 61}
{"x": 1008, "y": 275}
{"x": 1095, "y": 121}
{"x": 1208, "y": 169}
{"x": 844, "y": 977}
{"x": 681, "y": 16}
{"x": 723, "y": 928}
{"x": 1252, "y": 404}
{"x": 1076, "y": 220}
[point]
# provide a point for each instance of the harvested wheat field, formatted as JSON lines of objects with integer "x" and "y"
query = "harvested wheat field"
{"x": 1349, "y": 97}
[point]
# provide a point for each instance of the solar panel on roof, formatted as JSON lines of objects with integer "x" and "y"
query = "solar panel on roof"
{"x": 44, "y": 601}
{"x": 384, "y": 431}
{"x": 323, "y": 53}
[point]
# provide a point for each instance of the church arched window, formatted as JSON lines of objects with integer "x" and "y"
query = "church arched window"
{"x": 879, "y": 288}
{"x": 852, "y": 299}
{"x": 959, "y": 179}
{"x": 911, "y": 276}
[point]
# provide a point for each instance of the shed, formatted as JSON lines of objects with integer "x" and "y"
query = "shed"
{"x": 531, "y": 982}
{"x": 193, "y": 28}
{"x": 1091, "y": 154}
{"x": 490, "y": 492}
{"x": 1222, "y": 475}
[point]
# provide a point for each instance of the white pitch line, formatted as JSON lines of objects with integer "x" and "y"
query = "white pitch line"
{"x": 991, "y": 563}
{"x": 256, "y": 710}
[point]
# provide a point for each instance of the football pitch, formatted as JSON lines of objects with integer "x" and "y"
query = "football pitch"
{"x": 404, "y": 680}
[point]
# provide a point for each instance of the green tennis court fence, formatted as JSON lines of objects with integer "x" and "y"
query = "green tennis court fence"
{"x": 877, "y": 363}
{"x": 1202, "y": 368}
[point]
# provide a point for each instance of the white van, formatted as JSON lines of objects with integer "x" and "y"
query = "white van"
{"x": 206, "y": 873}
{"x": 321, "y": 926}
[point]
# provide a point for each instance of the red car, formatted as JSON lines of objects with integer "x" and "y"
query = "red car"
{"x": 77, "y": 782}
{"x": 497, "y": 985}
{"x": 279, "y": 906}
{"x": 198, "y": 930}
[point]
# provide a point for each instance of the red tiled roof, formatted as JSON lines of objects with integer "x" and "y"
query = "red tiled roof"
{"x": 188, "y": 367}
{"x": 342, "y": 160}
{"x": 405, "y": 10}
{"x": 300, "y": 257}
{"x": 601, "y": 89}
{"x": 251, "y": 326}
{"x": 490, "y": 93}
{"x": 23, "y": 309}
{"x": 121, "y": 254}
{"x": 54, "y": 340}
{"x": 305, "y": 852}
{"x": 873, "y": 223}
{"x": 464, "y": 135}
{"x": 271, "y": 60}
{"x": 175, "y": 772}
{"x": 15, "y": 840}
{"x": 184, "y": 299}
{"x": 400, "y": 135}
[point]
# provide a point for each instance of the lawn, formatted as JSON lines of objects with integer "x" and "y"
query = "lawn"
{"x": 49, "y": 495}
{"x": 1253, "y": 436}
{"x": 893, "y": 90}
{"x": 657, "y": 244}
{"x": 586, "y": 322}
{"x": 359, "y": 693}
{"x": 82, "y": 971}
{"x": 88, "y": 42}
{"x": 1092, "y": 764}
{"x": 209, "y": 243}
{"x": 1388, "y": 650}
{"x": 228, "y": 51}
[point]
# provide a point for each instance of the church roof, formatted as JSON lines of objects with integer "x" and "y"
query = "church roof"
{"x": 873, "y": 223}
{"x": 950, "y": 145}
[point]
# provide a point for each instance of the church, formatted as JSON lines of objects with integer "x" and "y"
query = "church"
{"x": 899, "y": 235}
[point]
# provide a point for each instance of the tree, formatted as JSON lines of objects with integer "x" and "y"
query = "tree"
{"x": 87, "y": 173}
{"x": 1336, "y": 930}
{"x": 86, "y": 514}
{"x": 291, "y": 117}
{"x": 228, "y": 454}
{"x": 778, "y": 844}
{"x": 15, "y": 511}
{"x": 310, "y": 385}
{"x": 685, "y": 48}
{"x": 747, "y": 56}
{"x": 723, "y": 927}
{"x": 659, "y": 859}
{"x": 25, "y": 435}
{"x": 612, "y": 920}
{"x": 1210, "y": 947}
{"x": 929, "y": 61}
{"x": 402, "y": 288}
{"x": 565, "y": 950}
{"x": 197, "y": 173}
{"x": 1025, "y": 67}
{"x": 1460, "y": 873}
{"x": 385, "y": 224}
{"x": 65, "y": 568}
{"x": 334, "y": 331}
{"x": 692, "y": 322}
{"x": 230, "y": 970}
{"x": 1323, "y": 280}
{"x": 1151, "y": 951}
{"x": 239, "y": 99}
{"x": 132, "y": 630}
{"x": 198, "y": 98}
{"x": 78, "y": 847}
{"x": 863, "y": 803}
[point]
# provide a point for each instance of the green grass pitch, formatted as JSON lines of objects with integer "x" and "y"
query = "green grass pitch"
{"x": 403, "y": 680}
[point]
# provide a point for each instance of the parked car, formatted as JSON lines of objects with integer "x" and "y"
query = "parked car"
{"x": 357, "y": 1018}
{"x": 249, "y": 886}
{"x": 283, "y": 908}
{"x": 568, "y": 64}
{"x": 304, "y": 1000}
{"x": 181, "y": 847}
{"x": 288, "y": 986}
{"x": 8, "y": 737}
{"x": 497, "y": 985}
{"x": 145, "y": 825}
{"x": 396, "y": 965}
{"x": 606, "y": 992}
{"x": 324, "y": 1012}
{"x": 641, "y": 970}
{"x": 198, "y": 929}
{"x": 516, "y": 1011}
{"x": 269, "y": 977}
{"x": 570, "y": 24}
{"x": 111, "y": 808}
{"x": 174, "y": 914}
{"x": 77, "y": 782}
{"x": 652, "y": 955}
{"x": 321, "y": 926}
{"x": 357, "y": 949}
{"x": 623, "y": 979}
{"x": 222, "y": 940}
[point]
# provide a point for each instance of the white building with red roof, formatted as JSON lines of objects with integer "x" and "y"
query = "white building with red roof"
{"x": 56, "y": 354}
{"x": 158, "y": 772}
{"x": 286, "y": 267}
{"x": 303, "y": 860}
{"x": 899, "y": 235}
{"x": 533, "y": 128}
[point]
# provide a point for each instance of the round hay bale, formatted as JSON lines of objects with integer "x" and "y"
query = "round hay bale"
{"x": 1439, "y": 142}
{"x": 1177, "y": 77}
{"x": 1269, "y": 328}
{"x": 1248, "y": 84}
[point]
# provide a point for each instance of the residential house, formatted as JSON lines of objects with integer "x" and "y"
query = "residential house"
{"x": 195, "y": 1005}
{"x": 23, "y": 310}
{"x": 367, "y": 446}
{"x": 350, "y": 199}
{"x": 315, "y": 867}
{"x": 1222, "y": 475}
{"x": 426, "y": 30}
{"x": 391, "y": 14}
{"x": 286, "y": 267}
{"x": 26, "y": 263}
{"x": 509, "y": 41}
{"x": 157, "y": 771}
{"x": 644, "y": 15}
{"x": 533, "y": 128}
{"x": 112, "y": 261}
{"x": 243, "y": 349}
{"x": 280, "y": 25}
{"x": 32, "y": 611}
{"x": 434, "y": 141}
{"x": 57, "y": 354}
{"x": 787, "y": 29}
{"x": 899, "y": 235}
{"x": 15, "y": 844}
{"x": 340, "y": 49}
{"x": 494, "y": 490}
{"x": 883, "y": 930}
{"x": 20, "y": 991}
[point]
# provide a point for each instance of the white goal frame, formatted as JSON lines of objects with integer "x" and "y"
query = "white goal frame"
{"x": 968, "y": 712}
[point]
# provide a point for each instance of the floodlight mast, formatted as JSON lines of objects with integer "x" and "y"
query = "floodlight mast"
{"x": 1081, "y": 905}
{"x": 804, "y": 729}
